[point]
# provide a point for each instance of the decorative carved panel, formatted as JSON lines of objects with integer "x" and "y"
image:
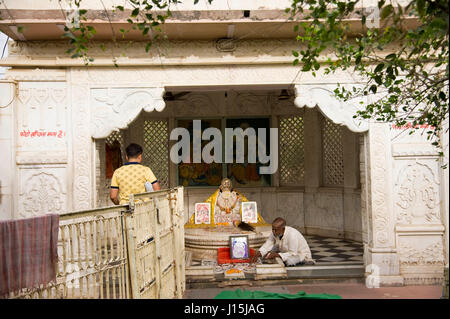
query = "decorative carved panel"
{"x": 42, "y": 119}
{"x": 421, "y": 250}
{"x": 417, "y": 199}
{"x": 42, "y": 191}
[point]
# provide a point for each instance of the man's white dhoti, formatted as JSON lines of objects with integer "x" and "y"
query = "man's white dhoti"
{"x": 292, "y": 247}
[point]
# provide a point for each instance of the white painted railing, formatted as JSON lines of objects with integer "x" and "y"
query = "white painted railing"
{"x": 127, "y": 251}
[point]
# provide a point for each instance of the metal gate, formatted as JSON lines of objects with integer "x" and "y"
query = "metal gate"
{"x": 126, "y": 251}
{"x": 156, "y": 240}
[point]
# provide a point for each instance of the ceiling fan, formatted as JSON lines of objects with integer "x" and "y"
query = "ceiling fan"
{"x": 169, "y": 96}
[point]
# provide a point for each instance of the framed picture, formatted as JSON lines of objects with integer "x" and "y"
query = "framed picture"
{"x": 249, "y": 212}
{"x": 202, "y": 213}
{"x": 239, "y": 247}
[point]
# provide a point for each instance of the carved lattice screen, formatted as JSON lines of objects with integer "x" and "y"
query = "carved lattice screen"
{"x": 105, "y": 166}
{"x": 156, "y": 149}
{"x": 333, "y": 156}
{"x": 116, "y": 136}
{"x": 292, "y": 164}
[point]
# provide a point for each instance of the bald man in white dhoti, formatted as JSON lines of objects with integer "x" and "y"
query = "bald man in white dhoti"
{"x": 287, "y": 243}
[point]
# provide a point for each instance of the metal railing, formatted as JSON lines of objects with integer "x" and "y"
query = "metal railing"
{"x": 127, "y": 251}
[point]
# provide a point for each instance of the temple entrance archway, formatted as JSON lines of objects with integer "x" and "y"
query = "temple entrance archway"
{"x": 386, "y": 237}
{"x": 317, "y": 185}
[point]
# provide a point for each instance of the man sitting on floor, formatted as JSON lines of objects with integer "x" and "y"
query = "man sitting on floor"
{"x": 287, "y": 243}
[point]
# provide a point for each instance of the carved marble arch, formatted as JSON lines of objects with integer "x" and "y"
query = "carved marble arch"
{"x": 339, "y": 112}
{"x": 116, "y": 108}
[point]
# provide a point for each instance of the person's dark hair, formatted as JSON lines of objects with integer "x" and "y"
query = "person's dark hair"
{"x": 133, "y": 150}
{"x": 280, "y": 221}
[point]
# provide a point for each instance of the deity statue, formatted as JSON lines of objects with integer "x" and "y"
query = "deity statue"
{"x": 225, "y": 208}
{"x": 227, "y": 205}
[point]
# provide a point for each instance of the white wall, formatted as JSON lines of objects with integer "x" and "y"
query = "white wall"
{"x": 3, "y": 40}
{"x": 185, "y": 5}
{"x": 6, "y": 197}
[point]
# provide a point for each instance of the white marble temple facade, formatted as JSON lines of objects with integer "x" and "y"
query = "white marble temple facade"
{"x": 394, "y": 197}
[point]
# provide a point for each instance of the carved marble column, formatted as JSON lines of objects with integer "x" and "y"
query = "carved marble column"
{"x": 445, "y": 188}
{"x": 313, "y": 165}
{"x": 102, "y": 187}
{"x": 382, "y": 260}
{"x": 352, "y": 196}
{"x": 365, "y": 193}
{"x": 313, "y": 150}
{"x": 418, "y": 209}
{"x": 445, "y": 201}
{"x": 82, "y": 143}
{"x": 7, "y": 176}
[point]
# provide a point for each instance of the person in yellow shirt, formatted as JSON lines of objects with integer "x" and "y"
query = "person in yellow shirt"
{"x": 131, "y": 177}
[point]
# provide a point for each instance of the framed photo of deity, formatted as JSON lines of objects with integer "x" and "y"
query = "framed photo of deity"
{"x": 239, "y": 247}
{"x": 202, "y": 213}
{"x": 249, "y": 212}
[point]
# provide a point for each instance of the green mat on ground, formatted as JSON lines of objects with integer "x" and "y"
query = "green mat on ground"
{"x": 246, "y": 294}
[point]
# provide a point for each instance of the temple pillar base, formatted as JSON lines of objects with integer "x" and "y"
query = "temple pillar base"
{"x": 384, "y": 281}
{"x": 383, "y": 268}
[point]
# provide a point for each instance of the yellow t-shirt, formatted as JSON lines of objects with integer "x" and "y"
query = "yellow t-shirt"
{"x": 130, "y": 179}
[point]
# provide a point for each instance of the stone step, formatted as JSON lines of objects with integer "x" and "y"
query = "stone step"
{"x": 272, "y": 282}
{"x": 338, "y": 271}
{"x": 327, "y": 270}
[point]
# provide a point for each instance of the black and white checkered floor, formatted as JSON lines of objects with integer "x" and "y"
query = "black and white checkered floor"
{"x": 324, "y": 249}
